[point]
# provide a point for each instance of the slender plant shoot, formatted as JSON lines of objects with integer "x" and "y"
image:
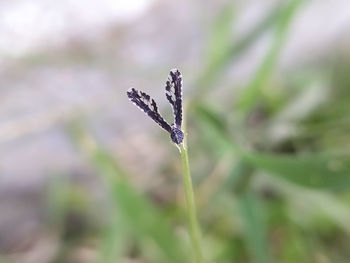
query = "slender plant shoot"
{"x": 173, "y": 92}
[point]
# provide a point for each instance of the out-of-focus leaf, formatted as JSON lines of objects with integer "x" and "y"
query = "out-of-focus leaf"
{"x": 138, "y": 215}
{"x": 208, "y": 122}
{"x": 289, "y": 118}
{"x": 310, "y": 170}
{"x": 255, "y": 228}
{"x": 113, "y": 237}
{"x": 148, "y": 222}
{"x": 251, "y": 211}
{"x": 235, "y": 50}
{"x": 220, "y": 39}
{"x": 318, "y": 171}
{"x": 312, "y": 202}
{"x": 239, "y": 177}
{"x": 214, "y": 118}
{"x": 252, "y": 92}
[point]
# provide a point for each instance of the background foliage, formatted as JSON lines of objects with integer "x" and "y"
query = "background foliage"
{"x": 269, "y": 156}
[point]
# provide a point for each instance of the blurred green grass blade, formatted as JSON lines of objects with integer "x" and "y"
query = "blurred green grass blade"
{"x": 214, "y": 125}
{"x": 251, "y": 93}
{"x": 251, "y": 211}
{"x": 318, "y": 171}
{"x": 314, "y": 202}
{"x": 146, "y": 221}
{"x": 113, "y": 238}
{"x": 219, "y": 44}
{"x": 230, "y": 53}
{"x": 255, "y": 227}
{"x": 137, "y": 213}
{"x": 251, "y": 37}
{"x": 239, "y": 177}
{"x": 311, "y": 170}
{"x": 211, "y": 117}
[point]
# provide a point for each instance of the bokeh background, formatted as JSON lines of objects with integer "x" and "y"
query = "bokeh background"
{"x": 86, "y": 177}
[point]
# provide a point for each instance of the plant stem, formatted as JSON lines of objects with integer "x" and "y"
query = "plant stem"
{"x": 191, "y": 207}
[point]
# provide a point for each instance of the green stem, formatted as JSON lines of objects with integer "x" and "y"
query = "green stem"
{"x": 191, "y": 207}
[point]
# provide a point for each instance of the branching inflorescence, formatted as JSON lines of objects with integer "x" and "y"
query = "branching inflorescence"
{"x": 173, "y": 92}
